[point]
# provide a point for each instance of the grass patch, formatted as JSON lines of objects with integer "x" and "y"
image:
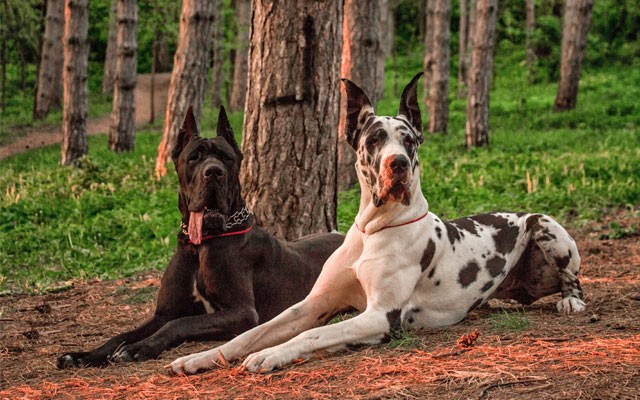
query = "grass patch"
{"x": 509, "y": 320}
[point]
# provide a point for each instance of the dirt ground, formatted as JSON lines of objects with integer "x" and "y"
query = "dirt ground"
{"x": 593, "y": 355}
{"x": 34, "y": 138}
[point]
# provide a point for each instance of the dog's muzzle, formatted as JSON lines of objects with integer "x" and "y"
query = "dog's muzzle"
{"x": 395, "y": 180}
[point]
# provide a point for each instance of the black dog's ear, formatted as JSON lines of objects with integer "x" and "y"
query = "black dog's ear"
{"x": 409, "y": 104}
{"x": 359, "y": 109}
{"x": 224, "y": 130}
{"x": 188, "y": 130}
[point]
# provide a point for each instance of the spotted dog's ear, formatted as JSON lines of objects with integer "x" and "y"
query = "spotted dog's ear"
{"x": 359, "y": 109}
{"x": 409, "y": 104}
{"x": 224, "y": 130}
{"x": 188, "y": 131}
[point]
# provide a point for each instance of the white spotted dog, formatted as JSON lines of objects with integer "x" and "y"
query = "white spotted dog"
{"x": 401, "y": 264}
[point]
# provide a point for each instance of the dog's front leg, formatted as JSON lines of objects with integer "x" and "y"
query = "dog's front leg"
{"x": 388, "y": 287}
{"x": 336, "y": 289}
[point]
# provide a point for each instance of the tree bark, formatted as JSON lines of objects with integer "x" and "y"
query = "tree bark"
{"x": 575, "y": 27}
{"x": 477, "y": 126}
{"x": 439, "y": 93}
{"x": 362, "y": 49}
{"x": 4, "y": 37}
{"x": 463, "y": 40}
{"x": 239, "y": 89}
{"x": 289, "y": 143}
{"x": 530, "y": 53}
{"x": 216, "y": 70}
{"x": 49, "y": 89}
{"x": 112, "y": 48}
{"x": 189, "y": 76}
{"x": 121, "y": 132}
{"x": 428, "y": 49}
{"x": 74, "y": 80}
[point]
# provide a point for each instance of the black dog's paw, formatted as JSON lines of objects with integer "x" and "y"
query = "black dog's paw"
{"x": 75, "y": 360}
{"x": 135, "y": 352}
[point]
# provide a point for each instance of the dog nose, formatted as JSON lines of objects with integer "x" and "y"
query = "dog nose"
{"x": 213, "y": 171}
{"x": 399, "y": 163}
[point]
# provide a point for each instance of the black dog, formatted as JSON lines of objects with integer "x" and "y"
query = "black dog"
{"x": 227, "y": 275}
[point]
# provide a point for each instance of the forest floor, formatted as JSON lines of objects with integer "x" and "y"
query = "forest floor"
{"x": 45, "y": 136}
{"x": 595, "y": 354}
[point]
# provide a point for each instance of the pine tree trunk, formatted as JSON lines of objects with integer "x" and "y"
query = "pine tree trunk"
{"x": 463, "y": 41}
{"x": 112, "y": 48}
{"x": 49, "y": 90}
{"x": 428, "y": 49}
{"x": 4, "y": 37}
{"x": 530, "y": 53}
{"x": 477, "y": 126}
{"x": 216, "y": 70}
{"x": 239, "y": 88}
{"x": 575, "y": 27}
{"x": 121, "y": 132}
{"x": 362, "y": 49}
{"x": 152, "y": 83}
{"x": 289, "y": 142}
{"x": 189, "y": 76}
{"x": 439, "y": 94}
{"x": 74, "y": 80}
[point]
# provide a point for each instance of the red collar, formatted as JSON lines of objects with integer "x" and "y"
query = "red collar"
{"x": 207, "y": 237}
{"x": 395, "y": 226}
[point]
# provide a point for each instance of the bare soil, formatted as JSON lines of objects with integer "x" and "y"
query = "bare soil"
{"x": 39, "y": 137}
{"x": 593, "y": 355}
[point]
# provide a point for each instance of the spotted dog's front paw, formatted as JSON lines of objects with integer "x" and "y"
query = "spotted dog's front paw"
{"x": 269, "y": 359}
{"x": 570, "y": 305}
{"x": 193, "y": 363}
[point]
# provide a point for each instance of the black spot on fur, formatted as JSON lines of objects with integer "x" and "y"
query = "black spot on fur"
{"x": 468, "y": 274}
{"x": 495, "y": 266}
{"x": 438, "y": 232}
{"x": 467, "y": 224}
{"x": 506, "y": 238}
{"x": 487, "y": 286}
{"x": 490, "y": 220}
{"x": 437, "y": 283}
{"x": 427, "y": 256}
{"x": 475, "y": 304}
{"x": 562, "y": 262}
{"x": 532, "y": 221}
{"x": 452, "y": 232}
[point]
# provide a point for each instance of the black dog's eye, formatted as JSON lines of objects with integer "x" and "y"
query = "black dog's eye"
{"x": 195, "y": 156}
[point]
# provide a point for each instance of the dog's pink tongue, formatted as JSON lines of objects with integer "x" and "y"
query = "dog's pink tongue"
{"x": 195, "y": 227}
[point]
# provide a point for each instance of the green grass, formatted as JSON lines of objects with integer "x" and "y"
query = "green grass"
{"x": 509, "y": 320}
{"x": 111, "y": 218}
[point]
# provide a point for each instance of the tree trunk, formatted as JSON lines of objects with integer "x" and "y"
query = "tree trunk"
{"x": 239, "y": 88}
{"x": 74, "y": 81}
{"x": 428, "y": 48}
{"x": 575, "y": 27}
{"x": 530, "y": 53}
{"x": 216, "y": 70}
{"x": 4, "y": 37}
{"x": 123, "y": 116}
{"x": 111, "y": 54}
{"x": 463, "y": 42}
{"x": 477, "y": 126}
{"x": 189, "y": 76}
{"x": 152, "y": 83}
{"x": 362, "y": 49}
{"x": 290, "y": 141}
{"x": 49, "y": 90}
{"x": 439, "y": 94}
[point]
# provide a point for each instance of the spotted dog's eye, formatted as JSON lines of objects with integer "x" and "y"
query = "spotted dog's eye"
{"x": 375, "y": 139}
{"x": 409, "y": 141}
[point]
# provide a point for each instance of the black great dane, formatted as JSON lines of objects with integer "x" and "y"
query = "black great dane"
{"x": 227, "y": 274}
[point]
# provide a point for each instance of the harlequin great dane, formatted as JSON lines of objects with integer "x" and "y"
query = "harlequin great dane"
{"x": 227, "y": 274}
{"x": 400, "y": 263}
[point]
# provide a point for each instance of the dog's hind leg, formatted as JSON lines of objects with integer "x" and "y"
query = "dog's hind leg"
{"x": 560, "y": 251}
